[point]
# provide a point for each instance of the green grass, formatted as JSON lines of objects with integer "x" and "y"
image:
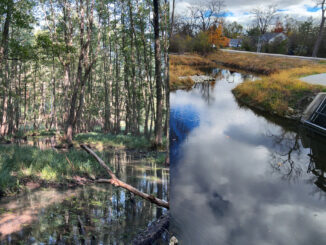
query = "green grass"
{"x": 20, "y": 162}
{"x": 117, "y": 141}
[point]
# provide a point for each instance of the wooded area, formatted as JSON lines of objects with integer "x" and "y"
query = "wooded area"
{"x": 269, "y": 30}
{"x": 84, "y": 65}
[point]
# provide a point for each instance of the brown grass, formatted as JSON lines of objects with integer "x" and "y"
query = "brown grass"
{"x": 190, "y": 60}
{"x": 186, "y": 65}
{"x": 257, "y": 63}
{"x": 282, "y": 93}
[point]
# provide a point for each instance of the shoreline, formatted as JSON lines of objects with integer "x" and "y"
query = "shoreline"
{"x": 279, "y": 91}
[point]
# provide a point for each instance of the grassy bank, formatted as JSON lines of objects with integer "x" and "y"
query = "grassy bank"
{"x": 260, "y": 64}
{"x": 282, "y": 93}
{"x": 20, "y": 165}
{"x": 279, "y": 91}
{"x": 186, "y": 65}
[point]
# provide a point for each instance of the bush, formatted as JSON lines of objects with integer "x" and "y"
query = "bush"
{"x": 199, "y": 43}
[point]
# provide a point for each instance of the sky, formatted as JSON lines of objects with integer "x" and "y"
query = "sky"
{"x": 239, "y": 10}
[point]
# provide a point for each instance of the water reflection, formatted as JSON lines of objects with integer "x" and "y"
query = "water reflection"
{"x": 243, "y": 178}
{"x": 41, "y": 142}
{"x": 95, "y": 214}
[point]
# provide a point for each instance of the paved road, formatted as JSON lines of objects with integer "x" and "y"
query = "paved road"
{"x": 319, "y": 79}
{"x": 275, "y": 55}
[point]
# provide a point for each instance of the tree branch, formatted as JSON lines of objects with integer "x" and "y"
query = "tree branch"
{"x": 116, "y": 182}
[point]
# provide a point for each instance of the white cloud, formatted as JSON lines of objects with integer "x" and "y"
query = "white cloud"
{"x": 241, "y": 9}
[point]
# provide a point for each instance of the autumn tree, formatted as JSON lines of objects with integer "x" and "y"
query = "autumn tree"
{"x": 216, "y": 37}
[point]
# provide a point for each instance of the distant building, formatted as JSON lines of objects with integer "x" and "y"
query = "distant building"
{"x": 269, "y": 38}
{"x": 272, "y": 37}
{"x": 235, "y": 43}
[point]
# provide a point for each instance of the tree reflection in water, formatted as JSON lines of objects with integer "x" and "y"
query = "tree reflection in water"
{"x": 289, "y": 146}
{"x": 95, "y": 214}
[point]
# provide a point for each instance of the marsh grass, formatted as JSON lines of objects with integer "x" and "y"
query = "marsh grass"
{"x": 186, "y": 65}
{"x": 261, "y": 64}
{"x": 281, "y": 91}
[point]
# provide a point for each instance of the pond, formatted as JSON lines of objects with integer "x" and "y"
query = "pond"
{"x": 240, "y": 177}
{"x": 90, "y": 214}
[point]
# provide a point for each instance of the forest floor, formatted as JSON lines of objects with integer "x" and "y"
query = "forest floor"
{"x": 25, "y": 166}
{"x": 279, "y": 90}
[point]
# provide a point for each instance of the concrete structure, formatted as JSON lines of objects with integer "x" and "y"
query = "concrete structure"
{"x": 200, "y": 78}
{"x": 319, "y": 79}
{"x": 314, "y": 116}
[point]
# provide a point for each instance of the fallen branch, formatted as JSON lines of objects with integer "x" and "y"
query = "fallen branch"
{"x": 153, "y": 232}
{"x": 116, "y": 182}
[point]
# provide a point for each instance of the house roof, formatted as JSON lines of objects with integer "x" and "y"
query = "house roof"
{"x": 268, "y": 36}
{"x": 235, "y": 41}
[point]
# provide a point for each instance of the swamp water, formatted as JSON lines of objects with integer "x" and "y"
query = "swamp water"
{"x": 91, "y": 214}
{"x": 238, "y": 177}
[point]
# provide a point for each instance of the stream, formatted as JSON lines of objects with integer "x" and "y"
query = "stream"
{"x": 240, "y": 177}
{"x": 90, "y": 214}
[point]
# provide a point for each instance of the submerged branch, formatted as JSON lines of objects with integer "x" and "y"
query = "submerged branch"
{"x": 153, "y": 232}
{"x": 116, "y": 182}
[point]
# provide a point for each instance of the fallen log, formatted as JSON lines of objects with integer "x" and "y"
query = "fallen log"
{"x": 153, "y": 232}
{"x": 116, "y": 182}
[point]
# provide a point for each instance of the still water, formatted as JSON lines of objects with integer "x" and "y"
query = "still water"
{"x": 92, "y": 214}
{"x": 238, "y": 177}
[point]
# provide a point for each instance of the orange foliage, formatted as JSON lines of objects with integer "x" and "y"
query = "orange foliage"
{"x": 215, "y": 36}
{"x": 278, "y": 28}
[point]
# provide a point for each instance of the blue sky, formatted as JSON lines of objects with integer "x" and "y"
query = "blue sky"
{"x": 240, "y": 10}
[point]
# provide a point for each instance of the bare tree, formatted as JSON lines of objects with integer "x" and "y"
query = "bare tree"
{"x": 209, "y": 13}
{"x": 264, "y": 17}
{"x": 320, "y": 3}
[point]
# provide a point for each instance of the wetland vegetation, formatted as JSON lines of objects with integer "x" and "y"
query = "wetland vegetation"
{"x": 81, "y": 72}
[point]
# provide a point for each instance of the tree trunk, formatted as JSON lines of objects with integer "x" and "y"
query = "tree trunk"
{"x": 159, "y": 103}
{"x": 3, "y": 60}
{"x": 320, "y": 35}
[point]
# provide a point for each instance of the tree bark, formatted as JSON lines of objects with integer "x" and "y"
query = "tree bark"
{"x": 3, "y": 60}
{"x": 159, "y": 103}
